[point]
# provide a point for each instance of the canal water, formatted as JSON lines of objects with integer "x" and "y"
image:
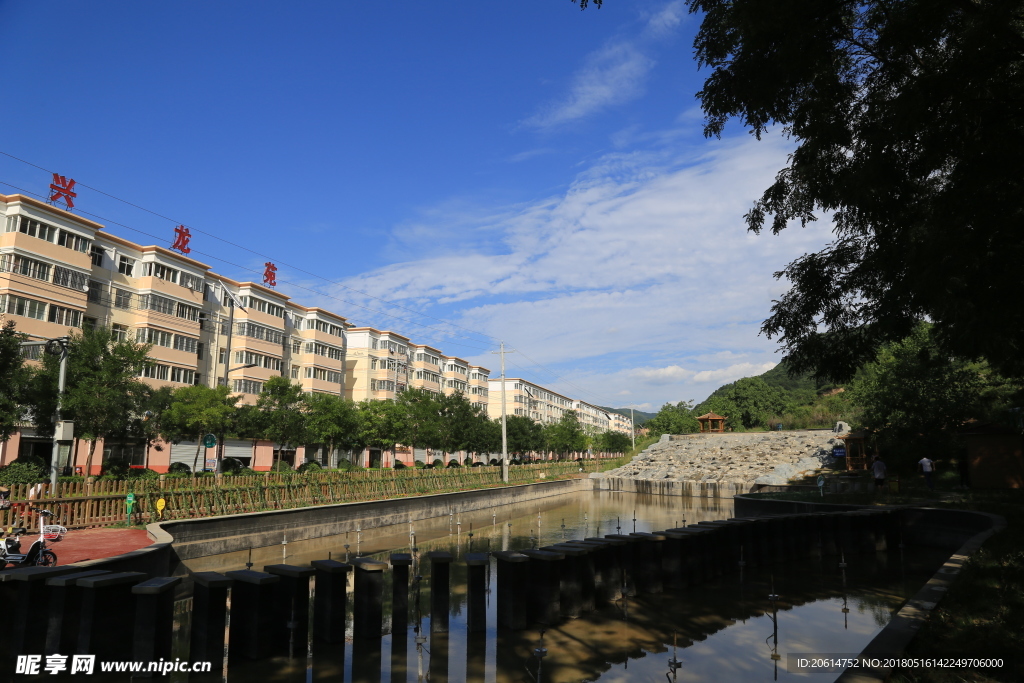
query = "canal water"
{"x": 723, "y": 630}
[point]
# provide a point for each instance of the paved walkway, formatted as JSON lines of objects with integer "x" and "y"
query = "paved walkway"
{"x": 93, "y": 544}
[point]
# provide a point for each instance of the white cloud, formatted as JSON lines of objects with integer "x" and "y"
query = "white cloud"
{"x": 733, "y": 373}
{"x": 640, "y": 277}
{"x": 612, "y": 75}
{"x": 669, "y": 373}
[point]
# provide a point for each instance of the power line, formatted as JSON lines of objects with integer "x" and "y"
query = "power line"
{"x": 251, "y": 251}
{"x": 301, "y": 270}
{"x": 292, "y": 284}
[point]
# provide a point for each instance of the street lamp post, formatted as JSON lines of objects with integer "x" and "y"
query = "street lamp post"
{"x": 57, "y": 347}
{"x": 220, "y": 446}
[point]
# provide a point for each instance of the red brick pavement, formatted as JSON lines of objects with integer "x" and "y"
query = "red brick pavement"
{"x": 93, "y": 544}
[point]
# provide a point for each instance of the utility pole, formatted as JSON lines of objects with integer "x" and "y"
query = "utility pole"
{"x": 632, "y": 427}
{"x": 504, "y": 430}
{"x": 55, "y": 347}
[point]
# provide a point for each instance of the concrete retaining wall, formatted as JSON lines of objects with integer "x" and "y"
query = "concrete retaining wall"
{"x": 662, "y": 487}
{"x": 215, "y": 535}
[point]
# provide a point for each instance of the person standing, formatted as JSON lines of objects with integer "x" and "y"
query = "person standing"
{"x": 878, "y": 471}
{"x": 927, "y": 467}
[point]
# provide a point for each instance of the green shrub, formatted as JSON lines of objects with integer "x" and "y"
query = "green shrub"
{"x": 399, "y": 465}
{"x": 468, "y": 462}
{"x": 21, "y": 472}
{"x": 281, "y": 466}
{"x": 311, "y": 466}
{"x": 179, "y": 468}
{"x": 142, "y": 473}
{"x": 347, "y": 466}
{"x": 454, "y": 463}
{"x": 230, "y": 465}
{"x": 243, "y": 472}
{"x": 438, "y": 462}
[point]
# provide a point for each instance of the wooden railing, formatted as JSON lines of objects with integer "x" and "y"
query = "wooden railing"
{"x": 103, "y": 503}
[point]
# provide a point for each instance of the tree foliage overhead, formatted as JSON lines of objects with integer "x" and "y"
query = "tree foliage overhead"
{"x": 908, "y": 119}
{"x": 14, "y": 379}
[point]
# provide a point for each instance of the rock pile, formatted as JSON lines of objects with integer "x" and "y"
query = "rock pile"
{"x": 759, "y": 458}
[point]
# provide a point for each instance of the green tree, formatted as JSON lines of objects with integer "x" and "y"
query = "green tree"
{"x": 332, "y": 421}
{"x": 196, "y": 411}
{"x": 103, "y": 393}
{"x": 457, "y": 422}
{"x": 14, "y": 379}
{"x": 915, "y": 396}
{"x": 905, "y": 119}
{"x": 756, "y": 400}
{"x": 566, "y": 435}
{"x": 720, "y": 405}
{"x": 674, "y": 419}
{"x": 524, "y": 435}
{"x": 281, "y": 418}
{"x": 613, "y": 442}
{"x": 420, "y": 420}
{"x": 381, "y": 424}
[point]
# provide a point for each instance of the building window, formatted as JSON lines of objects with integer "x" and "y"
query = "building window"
{"x": 263, "y": 306}
{"x": 122, "y": 298}
{"x": 95, "y": 292}
{"x": 89, "y": 323}
{"x": 36, "y": 229}
{"x": 119, "y": 332}
{"x": 187, "y": 312}
{"x": 220, "y": 355}
{"x": 155, "y": 302}
{"x": 73, "y": 241}
{"x": 187, "y": 344}
{"x": 69, "y": 278}
{"x": 25, "y": 266}
{"x": 159, "y": 270}
{"x": 147, "y": 335}
{"x": 323, "y": 375}
{"x": 65, "y": 316}
{"x": 126, "y": 266}
{"x": 193, "y": 282}
{"x": 156, "y": 371}
{"x": 254, "y": 331}
{"x": 295, "y": 372}
{"x": 97, "y": 256}
{"x": 183, "y": 375}
{"x": 247, "y": 386}
{"x": 258, "y": 359}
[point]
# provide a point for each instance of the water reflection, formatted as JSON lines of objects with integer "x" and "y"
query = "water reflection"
{"x": 739, "y": 627}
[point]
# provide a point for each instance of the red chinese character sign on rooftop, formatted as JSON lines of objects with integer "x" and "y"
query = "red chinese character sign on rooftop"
{"x": 182, "y": 236}
{"x": 62, "y": 189}
{"x": 270, "y": 274}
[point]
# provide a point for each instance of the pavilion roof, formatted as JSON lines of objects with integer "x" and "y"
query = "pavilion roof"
{"x": 711, "y": 416}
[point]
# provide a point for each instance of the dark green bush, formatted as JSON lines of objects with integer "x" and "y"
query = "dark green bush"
{"x": 438, "y": 462}
{"x": 20, "y": 472}
{"x": 311, "y": 466}
{"x": 399, "y": 465}
{"x": 454, "y": 463}
{"x": 281, "y": 466}
{"x": 179, "y": 468}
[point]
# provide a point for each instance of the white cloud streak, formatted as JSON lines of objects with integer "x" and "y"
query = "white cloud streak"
{"x": 639, "y": 278}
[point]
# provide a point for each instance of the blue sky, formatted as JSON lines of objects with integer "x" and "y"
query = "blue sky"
{"x": 460, "y": 172}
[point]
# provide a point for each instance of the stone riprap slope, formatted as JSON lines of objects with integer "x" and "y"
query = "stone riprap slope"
{"x": 757, "y": 458}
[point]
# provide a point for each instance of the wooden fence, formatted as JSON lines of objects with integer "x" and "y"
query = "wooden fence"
{"x": 102, "y": 503}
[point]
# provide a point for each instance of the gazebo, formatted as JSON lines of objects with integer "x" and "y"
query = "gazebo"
{"x": 711, "y": 422}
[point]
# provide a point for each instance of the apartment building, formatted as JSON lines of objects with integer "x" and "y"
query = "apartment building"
{"x": 60, "y": 272}
{"x": 621, "y": 423}
{"x": 426, "y": 369}
{"x": 592, "y": 419}
{"x": 526, "y": 399}
{"x": 377, "y": 365}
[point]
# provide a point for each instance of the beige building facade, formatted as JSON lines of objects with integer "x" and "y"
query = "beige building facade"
{"x": 60, "y": 272}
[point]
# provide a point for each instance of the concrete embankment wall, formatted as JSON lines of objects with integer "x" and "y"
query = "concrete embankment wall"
{"x": 664, "y": 487}
{"x": 190, "y": 538}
